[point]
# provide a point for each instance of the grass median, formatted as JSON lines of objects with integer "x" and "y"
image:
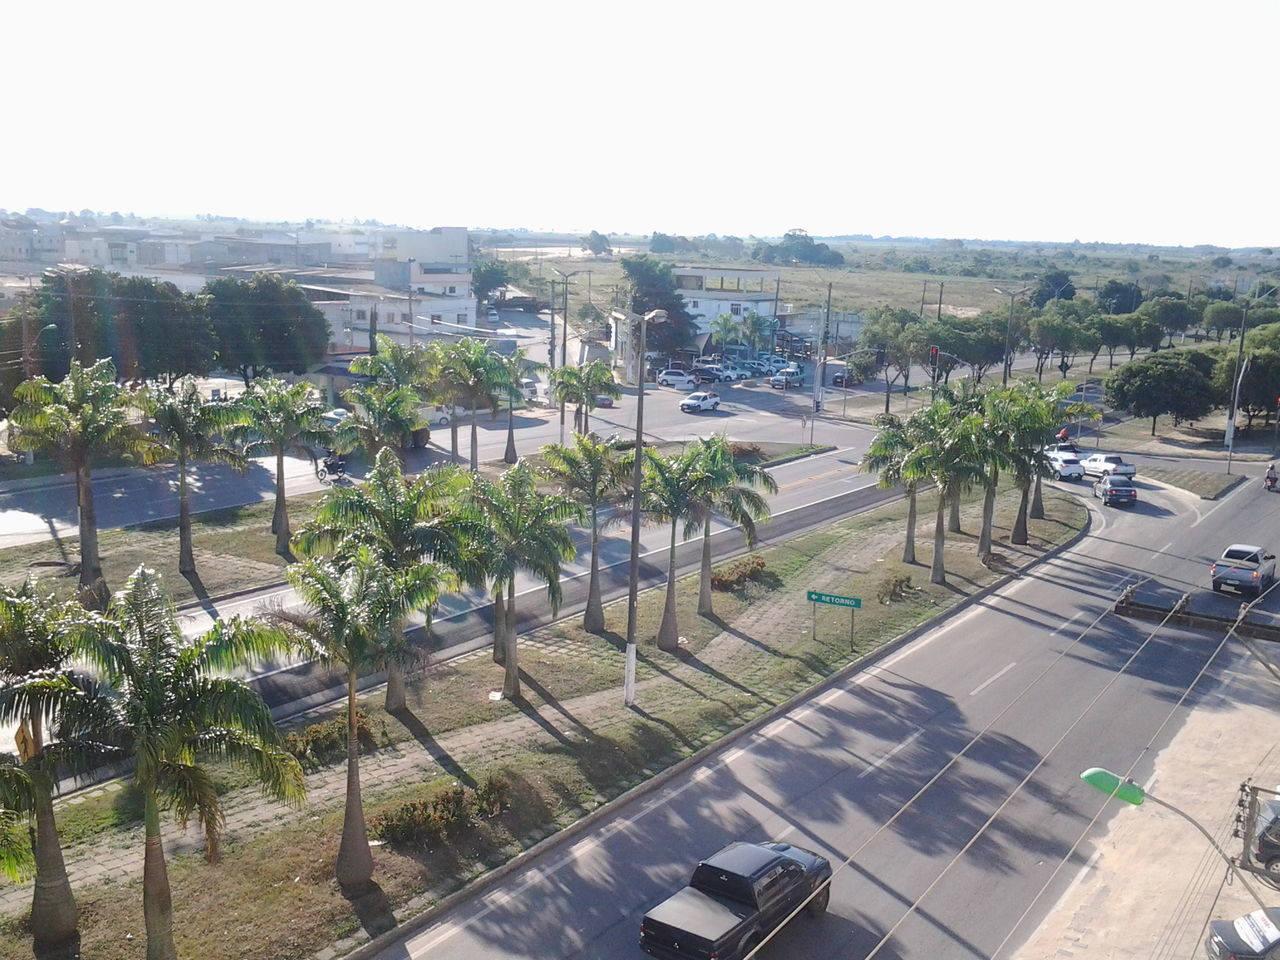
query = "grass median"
{"x": 565, "y": 750}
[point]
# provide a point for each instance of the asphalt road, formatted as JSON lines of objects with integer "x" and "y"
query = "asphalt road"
{"x": 948, "y": 772}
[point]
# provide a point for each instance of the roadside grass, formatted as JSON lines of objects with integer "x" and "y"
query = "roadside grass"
{"x": 1204, "y": 438}
{"x": 273, "y": 896}
{"x": 235, "y": 550}
{"x": 1205, "y": 485}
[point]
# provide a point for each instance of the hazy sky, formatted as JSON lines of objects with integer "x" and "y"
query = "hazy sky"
{"x": 1112, "y": 121}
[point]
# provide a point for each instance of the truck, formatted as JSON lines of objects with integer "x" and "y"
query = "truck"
{"x": 1244, "y": 567}
{"x": 735, "y": 899}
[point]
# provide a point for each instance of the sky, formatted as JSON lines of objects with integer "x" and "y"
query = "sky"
{"x": 1124, "y": 121}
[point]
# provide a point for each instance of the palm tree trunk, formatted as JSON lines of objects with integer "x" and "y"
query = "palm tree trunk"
{"x": 586, "y": 422}
{"x": 453, "y": 431}
{"x": 54, "y": 915}
{"x": 475, "y": 440}
{"x": 593, "y": 619}
{"x": 157, "y": 899}
{"x": 953, "y": 522}
{"x": 1037, "y": 502}
{"x": 511, "y": 680}
{"x": 1019, "y": 534}
{"x": 499, "y": 625}
{"x": 669, "y": 630}
{"x": 938, "y": 570}
{"x": 510, "y": 455}
{"x": 395, "y": 698}
{"x": 988, "y": 522}
{"x": 93, "y": 589}
{"x": 354, "y": 866}
{"x": 705, "y": 607}
{"x": 909, "y": 547}
{"x": 280, "y": 519}
{"x": 186, "y": 553}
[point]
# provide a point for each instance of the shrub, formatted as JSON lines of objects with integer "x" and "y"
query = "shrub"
{"x": 894, "y": 588}
{"x": 446, "y": 812}
{"x": 749, "y": 452}
{"x": 325, "y": 742}
{"x": 737, "y": 574}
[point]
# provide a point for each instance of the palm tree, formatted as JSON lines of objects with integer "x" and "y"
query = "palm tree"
{"x": 282, "y": 418}
{"x": 479, "y": 377}
{"x": 396, "y": 365}
{"x": 725, "y": 329}
{"x": 164, "y": 703}
{"x": 385, "y": 418}
{"x": 514, "y": 366}
{"x": 569, "y": 386}
{"x": 944, "y": 453}
{"x": 82, "y": 418}
{"x": 597, "y": 381}
{"x": 757, "y": 330}
{"x": 593, "y": 473}
{"x": 672, "y": 491}
{"x": 444, "y": 388}
{"x": 728, "y": 491}
{"x": 35, "y": 656}
{"x": 996, "y": 429}
{"x": 353, "y": 621}
{"x": 189, "y": 428}
{"x": 17, "y": 862}
{"x": 405, "y": 522}
{"x": 889, "y": 456}
{"x": 529, "y": 533}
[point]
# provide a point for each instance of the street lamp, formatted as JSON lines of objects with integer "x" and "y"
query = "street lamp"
{"x": 1125, "y": 789}
{"x": 637, "y": 475}
{"x": 1008, "y": 331}
{"x": 412, "y": 261}
{"x": 1242, "y": 365}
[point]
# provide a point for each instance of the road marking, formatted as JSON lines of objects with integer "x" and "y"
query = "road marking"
{"x": 1209, "y": 512}
{"x": 990, "y": 680}
{"x": 905, "y": 743}
{"x": 1066, "y": 623}
{"x": 830, "y": 696}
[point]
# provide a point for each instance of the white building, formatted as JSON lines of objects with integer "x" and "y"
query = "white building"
{"x": 711, "y": 291}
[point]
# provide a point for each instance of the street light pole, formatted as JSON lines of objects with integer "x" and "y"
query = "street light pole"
{"x": 637, "y": 476}
{"x": 1008, "y": 331}
{"x": 1130, "y": 792}
{"x": 564, "y": 333}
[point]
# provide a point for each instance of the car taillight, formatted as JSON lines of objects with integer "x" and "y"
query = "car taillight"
{"x": 1253, "y": 575}
{"x": 1214, "y": 568}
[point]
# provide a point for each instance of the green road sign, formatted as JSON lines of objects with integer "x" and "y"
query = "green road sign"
{"x": 835, "y": 600}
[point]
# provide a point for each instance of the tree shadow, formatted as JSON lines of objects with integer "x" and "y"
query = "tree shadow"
{"x": 373, "y": 910}
{"x": 670, "y": 727}
{"x": 202, "y": 593}
{"x": 418, "y": 730}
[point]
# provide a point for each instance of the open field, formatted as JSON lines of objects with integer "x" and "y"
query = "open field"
{"x": 568, "y": 748}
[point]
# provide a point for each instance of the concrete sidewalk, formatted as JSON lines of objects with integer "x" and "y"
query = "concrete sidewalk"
{"x": 1151, "y": 883}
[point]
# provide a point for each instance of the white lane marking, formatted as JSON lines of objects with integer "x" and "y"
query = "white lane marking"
{"x": 990, "y": 680}
{"x": 1066, "y": 623}
{"x": 830, "y": 696}
{"x": 1165, "y": 547}
{"x": 1146, "y": 787}
{"x": 1208, "y": 513}
{"x": 905, "y": 743}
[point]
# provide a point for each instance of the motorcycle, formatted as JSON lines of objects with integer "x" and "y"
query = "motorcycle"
{"x": 331, "y": 469}
{"x": 1269, "y": 484}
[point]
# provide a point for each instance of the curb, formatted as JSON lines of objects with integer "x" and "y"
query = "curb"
{"x": 562, "y": 837}
{"x": 798, "y": 456}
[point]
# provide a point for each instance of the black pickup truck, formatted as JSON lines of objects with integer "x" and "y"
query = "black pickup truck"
{"x": 734, "y": 900}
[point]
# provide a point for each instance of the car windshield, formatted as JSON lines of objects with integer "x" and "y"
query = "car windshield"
{"x": 1120, "y": 482}
{"x": 1070, "y": 462}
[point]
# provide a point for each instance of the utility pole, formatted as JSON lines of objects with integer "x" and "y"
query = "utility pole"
{"x": 412, "y": 260}
{"x": 941, "y": 284}
{"x": 551, "y": 337}
{"x": 777, "y": 321}
{"x": 820, "y": 380}
{"x": 923, "y": 292}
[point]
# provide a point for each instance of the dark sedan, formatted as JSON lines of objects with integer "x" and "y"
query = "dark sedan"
{"x": 1116, "y": 491}
{"x": 845, "y": 380}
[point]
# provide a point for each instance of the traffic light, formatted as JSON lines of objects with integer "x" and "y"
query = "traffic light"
{"x": 933, "y": 357}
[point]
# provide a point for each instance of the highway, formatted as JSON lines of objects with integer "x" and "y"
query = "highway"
{"x": 947, "y": 773}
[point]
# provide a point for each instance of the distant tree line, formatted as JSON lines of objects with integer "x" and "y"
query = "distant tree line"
{"x": 152, "y": 330}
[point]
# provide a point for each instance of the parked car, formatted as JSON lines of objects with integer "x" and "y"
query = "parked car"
{"x": 786, "y": 379}
{"x": 845, "y": 379}
{"x": 1115, "y": 491}
{"x": 712, "y": 374}
{"x": 776, "y": 363}
{"x": 734, "y": 372}
{"x": 678, "y": 378}
{"x": 333, "y": 418}
{"x": 734, "y": 900}
{"x": 1106, "y": 464}
{"x": 529, "y": 389}
{"x": 1065, "y": 466}
{"x": 757, "y": 367}
{"x": 1255, "y": 936}
{"x": 1064, "y": 447}
{"x": 1244, "y": 567}
{"x": 604, "y": 401}
{"x": 1266, "y": 836}
{"x": 702, "y": 400}
{"x": 492, "y": 315}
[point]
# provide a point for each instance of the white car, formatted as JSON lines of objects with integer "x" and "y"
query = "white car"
{"x": 1065, "y": 466}
{"x": 680, "y": 379}
{"x": 1106, "y": 465}
{"x": 492, "y": 315}
{"x": 734, "y": 372}
{"x": 702, "y": 400}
